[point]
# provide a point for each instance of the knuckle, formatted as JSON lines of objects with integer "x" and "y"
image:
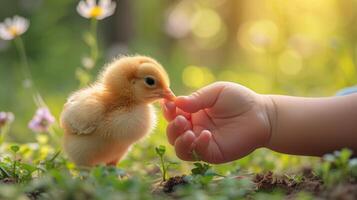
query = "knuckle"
{"x": 183, "y": 156}
{"x": 179, "y": 155}
{"x": 197, "y": 93}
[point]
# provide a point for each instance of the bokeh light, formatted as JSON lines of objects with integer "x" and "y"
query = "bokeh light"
{"x": 196, "y": 77}
{"x": 258, "y": 35}
{"x": 290, "y": 62}
{"x": 206, "y": 23}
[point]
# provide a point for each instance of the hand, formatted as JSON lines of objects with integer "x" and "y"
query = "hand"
{"x": 220, "y": 122}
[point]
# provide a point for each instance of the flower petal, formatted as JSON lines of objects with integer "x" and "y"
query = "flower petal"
{"x": 8, "y": 22}
{"x": 108, "y": 10}
{"x": 104, "y": 3}
{"x": 91, "y": 3}
{"x": 21, "y": 24}
{"x": 83, "y": 9}
{"x": 4, "y": 33}
{"x": 42, "y": 120}
{"x": 12, "y": 27}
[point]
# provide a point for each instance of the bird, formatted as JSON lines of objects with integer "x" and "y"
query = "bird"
{"x": 102, "y": 121}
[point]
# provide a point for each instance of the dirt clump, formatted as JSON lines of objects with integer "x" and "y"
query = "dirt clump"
{"x": 270, "y": 181}
{"x": 173, "y": 182}
{"x": 8, "y": 181}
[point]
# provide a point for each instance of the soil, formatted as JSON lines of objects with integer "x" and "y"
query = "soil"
{"x": 173, "y": 182}
{"x": 8, "y": 181}
{"x": 34, "y": 195}
{"x": 269, "y": 181}
{"x": 309, "y": 183}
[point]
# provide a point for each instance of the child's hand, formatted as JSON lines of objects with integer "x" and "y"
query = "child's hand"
{"x": 221, "y": 122}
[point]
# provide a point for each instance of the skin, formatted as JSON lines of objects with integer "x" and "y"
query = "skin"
{"x": 225, "y": 121}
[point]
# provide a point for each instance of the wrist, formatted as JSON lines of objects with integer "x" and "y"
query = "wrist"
{"x": 271, "y": 113}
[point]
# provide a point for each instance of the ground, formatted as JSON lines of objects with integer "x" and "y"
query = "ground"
{"x": 54, "y": 177}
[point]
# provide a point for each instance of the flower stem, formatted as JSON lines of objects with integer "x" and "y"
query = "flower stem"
{"x": 14, "y": 168}
{"x": 27, "y": 73}
{"x": 3, "y": 132}
{"x": 94, "y": 46}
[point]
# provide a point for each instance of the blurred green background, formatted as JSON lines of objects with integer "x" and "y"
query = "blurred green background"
{"x": 294, "y": 47}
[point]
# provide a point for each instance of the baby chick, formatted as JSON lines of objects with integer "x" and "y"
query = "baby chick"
{"x": 102, "y": 121}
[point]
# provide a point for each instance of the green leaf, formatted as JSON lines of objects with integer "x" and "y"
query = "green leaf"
{"x": 160, "y": 150}
{"x": 15, "y": 148}
{"x": 200, "y": 168}
{"x": 28, "y": 167}
{"x": 204, "y": 180}
{"x": 4, "y": 172}
{"x": 55, "y": 156}
{"x": 344, "y": 156}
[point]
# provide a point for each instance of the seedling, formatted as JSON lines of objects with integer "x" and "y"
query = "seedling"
{"x": 200, "y": 168}
{"x": 14, "y": 149}
{"x": 160, "y": 150}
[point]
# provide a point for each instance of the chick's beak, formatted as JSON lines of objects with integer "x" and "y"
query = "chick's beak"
{"x": 168, "y": 94}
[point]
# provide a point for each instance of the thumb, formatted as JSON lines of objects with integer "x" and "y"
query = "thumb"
{"x": 204, "y": 98}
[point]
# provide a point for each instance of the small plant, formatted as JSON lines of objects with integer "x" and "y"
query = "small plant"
{"x": 160, "y": 151}
{"x": 13, "y": 170}
{"x": 297, "y": 178}
{"x": 200, "y": 168}
{"x": 14, "y": 149}
{"x": 202, "y": 174}
{"x": 336, "y": 167}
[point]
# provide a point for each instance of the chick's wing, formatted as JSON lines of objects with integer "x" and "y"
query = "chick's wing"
{"x": 81, "y": 114}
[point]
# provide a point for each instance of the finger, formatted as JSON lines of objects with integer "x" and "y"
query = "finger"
{"x": 183, "y": 113}
{"x": 201, "y": 99}
{"x": 202, "y": 141}
{"x": 183, "y": 146}
{"x": 207, "y": 149}
{"x": 169, "y": 110}
{"x": 176, "y": 128}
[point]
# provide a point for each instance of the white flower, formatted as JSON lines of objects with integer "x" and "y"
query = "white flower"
{"x": 90, "y": 9}
{"x": 13, "y": 27}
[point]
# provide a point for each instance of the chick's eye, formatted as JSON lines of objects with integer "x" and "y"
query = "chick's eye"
{"x": 150, "y": 81}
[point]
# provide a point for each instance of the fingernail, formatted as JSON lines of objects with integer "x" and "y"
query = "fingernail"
{"x": 180, "y": 120}
{"x": 187, "y": 137}
{"x": 170, "y": 105}
{"x": 207, "y": 132}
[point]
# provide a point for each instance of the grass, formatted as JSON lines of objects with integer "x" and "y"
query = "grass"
{"x": 24, "y": 176}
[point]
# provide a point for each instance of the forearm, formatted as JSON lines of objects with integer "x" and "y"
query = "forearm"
{"x": 312, "y": 126}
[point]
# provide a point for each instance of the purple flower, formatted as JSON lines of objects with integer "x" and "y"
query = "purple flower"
{"x": 6, "y": 118}
{"x": 42, "y": 120}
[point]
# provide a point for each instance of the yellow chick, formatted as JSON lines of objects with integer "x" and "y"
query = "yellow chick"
{"x": 102, "y": 121}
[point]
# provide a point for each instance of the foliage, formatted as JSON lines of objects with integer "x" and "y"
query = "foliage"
{"x": 337, "y": 167}
{"x": 200, "y": 168}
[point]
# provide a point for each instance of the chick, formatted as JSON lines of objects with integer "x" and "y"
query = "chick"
{"x": 102, "y": 121}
